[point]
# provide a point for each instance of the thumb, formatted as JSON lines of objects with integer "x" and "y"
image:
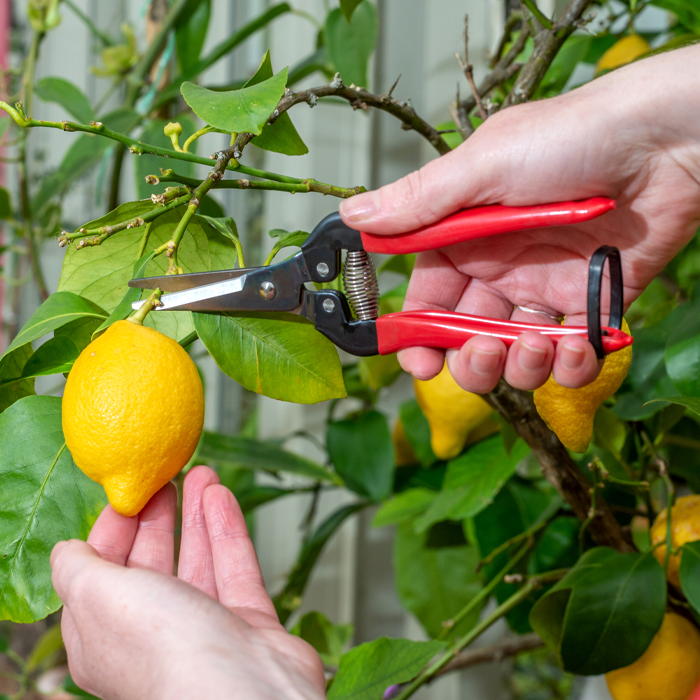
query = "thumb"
{"x": 70, "y": 560}
{"x": 427, "y": 195}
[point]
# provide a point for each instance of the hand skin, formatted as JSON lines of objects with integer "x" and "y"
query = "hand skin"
{"x": 632, "y": 135}
{"x": 134, "y": 631}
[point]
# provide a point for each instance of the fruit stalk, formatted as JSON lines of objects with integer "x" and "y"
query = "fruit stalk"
{"x": 151, "y": 303}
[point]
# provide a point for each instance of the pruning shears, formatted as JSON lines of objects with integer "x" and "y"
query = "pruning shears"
{"x": 282, "y": 286}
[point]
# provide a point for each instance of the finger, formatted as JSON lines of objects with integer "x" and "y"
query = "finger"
{"x": 112, "y": 535}
{"x": 69, "y": 560}
{"x": 196, "y": 563}
{"x": 575, "y": 362}
{"x": 529, "y": 361}
{"x": 429, "y": 194}
{"x": 238, "y": 576}
{"x": 154, "y": 544}
{"x": 478, "y": 364}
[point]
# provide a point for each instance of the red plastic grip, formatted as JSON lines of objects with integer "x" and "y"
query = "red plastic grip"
{"x": 480, "y": 222}
{"x": 448, "y": 329}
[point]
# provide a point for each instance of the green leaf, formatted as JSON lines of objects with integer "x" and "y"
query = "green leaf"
{"x": 683, "y": 350}
{"x": 68, "y": 96}
{"x": 366, "y": 671}
{"x": 85, "y": 152}
{"x": 226, "y": 226}
{"x": 472, "y": 481}
{"x": 79, "y": 332}
{"x": 103, "y": 272}
{"x": 404, "y": 507}
{"x": 285, "y": 239}
{"x": 235, "y": 111}
{"x": 328, "y": 639}
{"x": 46, "y": 649}
{"x": 350, "y": 44}
{"x": 253, "y": 498}
{"x": 570, "y": 55}
{"x": 361, "y": 450}
{"x": 53, "y": 357}
{"x": 11, "y": 366}
{"x": 280, "y": 136}
{"x": 150, "y": 165}
{"x": 45, "y": 499}
{"x": 400, "y": 264}
{"x": 690, "y": 402}
{"x": 378, "y": 371}
{"x": 690, "y": 573}
{"x": 70, "y": 686}
{"x": 289, "y": 598}
{"x": 247, "y": 453}
{"x": 687, "y": 11}
{"x": 417, "y": 430}
{"x": 348, "y": 7}
{"x": 191, "y": 32}
{"x": 5, "y": 205}
{"x": 60, "y": 308}
{"x": 277, "y": 355}
{"x": 604, "y": 613}
{"x": 435, "y": 583}
{"x": 647, "y": 378}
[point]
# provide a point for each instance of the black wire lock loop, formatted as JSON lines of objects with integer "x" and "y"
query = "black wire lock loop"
{"x": 595, "y": 281}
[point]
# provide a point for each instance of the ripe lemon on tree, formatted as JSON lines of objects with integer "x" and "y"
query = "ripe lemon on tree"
{"x": 685, "y": 527}
{"x": 668, "y": 670}
{"x": 454, "y": 415}
{"x": 622, "y": 52}
{"x": 133, "y": 410}
{"x": 570, "y": 412}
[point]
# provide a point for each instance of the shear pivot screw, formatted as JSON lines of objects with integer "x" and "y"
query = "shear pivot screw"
{"x": 322, "y": 269}
{"x": 328, "y": 304}
{"x": 268, "y": 290}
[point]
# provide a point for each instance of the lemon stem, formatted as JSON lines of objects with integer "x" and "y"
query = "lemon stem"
{"x": 151, "y": 303}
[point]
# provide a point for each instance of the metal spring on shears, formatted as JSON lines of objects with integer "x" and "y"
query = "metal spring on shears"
{"x": 361, "y": 287}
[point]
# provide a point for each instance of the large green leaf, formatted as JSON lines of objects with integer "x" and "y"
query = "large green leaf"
{"x": 690, "y": 402}
{"x": 85, "y": 152}
{"x": 278, "y": 355}
{"x": 348, "y": 7}
{"x": 235, "y": 111}
{"x": 683, "y": 348}
{"x": 191, "y": 32}
{"x": 647, "y": 378}
{"x": 604, "y": 613}
{"x": 150, "y": 165}
{"x": 690, "y": 573}
{"x": 361, "y": 450}
{"x": 45, "y": 498}
{"x": 60, "y": 308}
{"x": 404, "y": 507}
{"x": 366, "y": 671}
{"x": 417, "y": 430}
{"x": 435, "y": 583}
{"x": 472, "y": 481}
{"x": 687, "y": 11}
{"x": 289, "y": 598}
{"x": 11, "y": 366}
{"x": 53, "y": 357}
{"x": 101, "y": 273}
{"x": 67, "y": 95}
{"x": 571, "y": 54}
{"x": 247, "y": 453}
{"x": 351, "y": 44}
{"x": 328, "y": 639}
{"x": 280, "y": 136}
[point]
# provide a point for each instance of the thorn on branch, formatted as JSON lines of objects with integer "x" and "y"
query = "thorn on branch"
{"x": 337, "y": 82}
{"x": 392, "y": 88}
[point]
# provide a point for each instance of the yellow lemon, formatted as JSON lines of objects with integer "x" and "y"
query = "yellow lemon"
{"x": 668, "y": 670}
{"x": 570, "y": 412}
{"x": 622, "y": 52}
{"x": 685, "y": 527}
{"x": 403, "y": 450}
{"x": 452, "y": 413}
{"x": 133, "y": 410}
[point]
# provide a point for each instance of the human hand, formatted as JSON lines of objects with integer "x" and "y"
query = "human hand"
{"x": 631, "y": 135}
{"x": 133, "y": 630}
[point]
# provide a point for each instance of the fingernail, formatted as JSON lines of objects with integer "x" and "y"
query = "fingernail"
{"x": 572, "y": 358}
{"x": 530, "y": 357}
{"x": 360, "y": 208}
{"x": 484, "y": 362}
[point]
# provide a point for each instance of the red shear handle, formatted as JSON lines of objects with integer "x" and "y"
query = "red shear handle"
{"x": 446, "y": 329}
{"x": 480, "y": 222}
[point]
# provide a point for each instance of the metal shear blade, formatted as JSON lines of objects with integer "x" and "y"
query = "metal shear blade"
{"x": 190, "y": 296}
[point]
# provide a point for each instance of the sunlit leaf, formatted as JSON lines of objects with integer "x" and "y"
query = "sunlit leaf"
{"x": 404, "y": 507}
{"x": 277, "y": 355}
{"x": 45, "y": 498}
{"x": 246, "y": 110}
